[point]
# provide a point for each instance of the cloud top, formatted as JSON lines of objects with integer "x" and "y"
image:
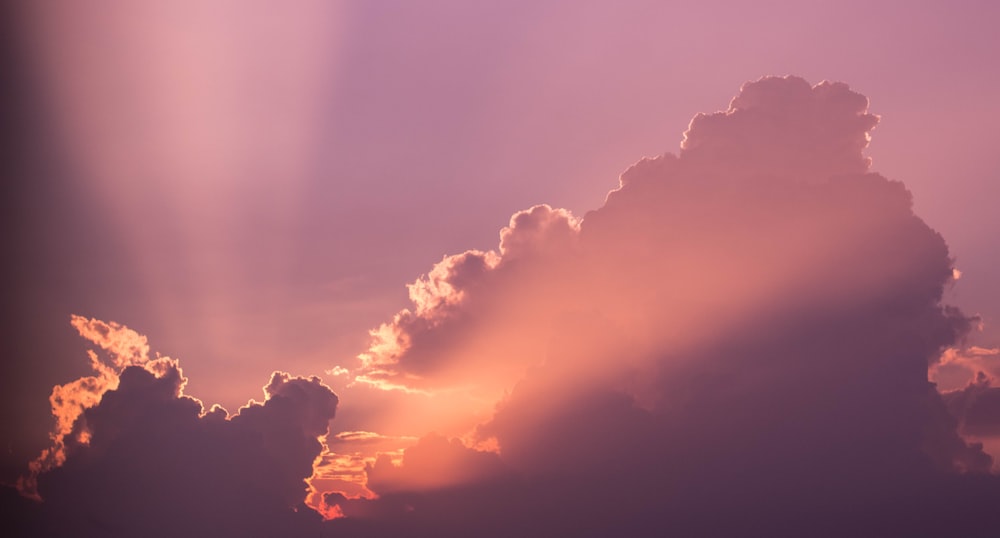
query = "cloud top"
{"x": 782, "y": 126}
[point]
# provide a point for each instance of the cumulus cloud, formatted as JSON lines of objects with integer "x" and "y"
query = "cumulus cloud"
{"x": 784, "y": 127}
{"x": 737, "y": 342}
{"x": 461, "y": 305}
{"x": 142, "y": 458}
{"x": 744, "y": 328}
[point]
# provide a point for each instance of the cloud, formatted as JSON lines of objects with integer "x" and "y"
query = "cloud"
{"x": 782, "y": 126}
{"x": 343, "y": 467}
{"x": 742, "y": 328}
{"x": 142, "y": 458}
{"x": 958, "y": 367}
{"x": 123, "y": 347}
{"x": 739, "y": 338}
{"x": 976, "y": 407}
{"x": 462, "y": 299}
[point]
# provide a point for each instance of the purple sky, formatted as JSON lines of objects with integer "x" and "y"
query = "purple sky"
{"x": 252, "y": 190}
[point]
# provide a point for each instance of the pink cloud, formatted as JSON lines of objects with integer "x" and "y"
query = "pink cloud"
{"x": 743, "y": 328}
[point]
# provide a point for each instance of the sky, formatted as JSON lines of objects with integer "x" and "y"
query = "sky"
{"x": 469, "y": 267}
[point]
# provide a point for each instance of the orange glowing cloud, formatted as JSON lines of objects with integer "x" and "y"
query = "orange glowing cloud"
{"x": 958, "y": 366}
{"x": 123, "y": 347}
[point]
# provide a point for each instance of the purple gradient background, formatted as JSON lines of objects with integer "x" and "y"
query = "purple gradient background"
{"x": 252, "y": 189}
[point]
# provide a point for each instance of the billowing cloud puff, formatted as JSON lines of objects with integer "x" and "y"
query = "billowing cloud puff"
{"x": 539, "y": 231}
{"x": 142, "y": 458}
{"x": 784, "y": 127}
{"x": 744, "y": 328}
{"x": 462, "y": 303}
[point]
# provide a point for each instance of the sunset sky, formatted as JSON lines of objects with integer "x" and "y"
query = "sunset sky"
{"x": 546, "y": 267}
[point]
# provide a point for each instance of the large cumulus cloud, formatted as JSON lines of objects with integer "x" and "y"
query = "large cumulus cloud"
{"x": 744, "y": 328}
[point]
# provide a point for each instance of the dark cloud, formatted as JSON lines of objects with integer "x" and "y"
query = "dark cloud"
{"x": 147, "y": 460}
{"x": 976, "y": 407}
